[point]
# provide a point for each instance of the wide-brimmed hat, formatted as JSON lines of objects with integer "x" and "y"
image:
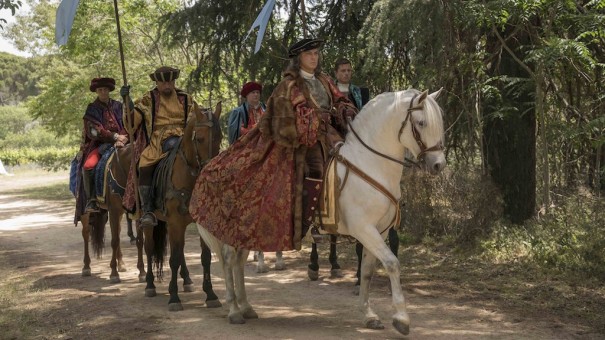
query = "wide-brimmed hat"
{"x": 109, "y": 83}
{"x": 304, "y": 45}
{"x": 165, "y": 73}
{"x": 249, "y": 87}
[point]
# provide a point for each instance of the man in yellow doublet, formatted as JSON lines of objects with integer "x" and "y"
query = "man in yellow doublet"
{"x": 160, "y": 114}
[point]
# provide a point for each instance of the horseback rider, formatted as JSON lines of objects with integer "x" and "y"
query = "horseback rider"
{"x": 102, "y": 127}
{"x": 158, "y": 119}
{"x": 266, "y": 182}
{"x": 244, "y": 117}
{"x": 343, "y": 71}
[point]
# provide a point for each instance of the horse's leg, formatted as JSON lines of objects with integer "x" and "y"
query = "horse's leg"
{"x": 187, "y": 282}
{"x": 86, "y": 236}
{"x": 140, "y": 244}
{"x": 261, "y": 267}
{"x": 116, "y": 253}
{"x": 212, "y": 300}
{"x": 375, "y": 247}
{"x": 313, "y": 271}
{"x": 149, "y": 251}
{"x": 359, "y": 252}
{"x": 177, "y": 243}
{"x": 279, "y": 260}
{"x": 133, "y": 240}
{"x": 229, "y": 262}
{"x": 394, "y": 242}
{"x": 335, "y": 271}
{"x": 240, "y": 286}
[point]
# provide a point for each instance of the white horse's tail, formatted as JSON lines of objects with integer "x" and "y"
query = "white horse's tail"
{"x": 212, "y": 242}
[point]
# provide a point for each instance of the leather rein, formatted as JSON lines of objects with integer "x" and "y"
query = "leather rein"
{"x": 195, "y": 170}
{"x": 349, "y": 166}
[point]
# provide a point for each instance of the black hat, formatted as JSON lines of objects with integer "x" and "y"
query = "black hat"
{"x": 165, "y": 73}
{"x": 304, "y": 45}
{"x": 109, "y": 83}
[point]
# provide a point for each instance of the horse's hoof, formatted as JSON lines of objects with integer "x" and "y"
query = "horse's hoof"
{"x": 336, "y": 273}
{"x": 250, "y": 314}
{"x": 280, "y": 266}
{"x": 175, "y": 307}
{"x": 356, "y": 291}
{"x": 121, "y": 269}
{"x": 313, "y": 274}
{"x": 86, "y": 272}
{"x": 262, "y": 269}
{"x": 133, "y": 242}
{"x": 142, "y": 279}
{"x": 401, "y": 327}
{"x": 213, "y": 303}
{"x": 150, "y": 292}
{"x": 236, "y": 319}
{"x": 374, "y": 324}
{"x": 188, "y": 288}
{"x": 114, "y": 279}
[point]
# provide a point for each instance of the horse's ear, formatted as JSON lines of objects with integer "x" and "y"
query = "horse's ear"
{"x": 218, "y": 109}
{"x": 436, "y": 94}
{"x": 422, "y": 96}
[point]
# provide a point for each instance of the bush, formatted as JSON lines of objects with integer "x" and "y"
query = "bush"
{"x": 49, "y": 158}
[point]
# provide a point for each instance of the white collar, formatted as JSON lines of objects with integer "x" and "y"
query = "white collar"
{"x": 306, "y": 74}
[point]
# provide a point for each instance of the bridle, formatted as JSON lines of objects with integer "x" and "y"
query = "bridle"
{"x": 195, "y": 170}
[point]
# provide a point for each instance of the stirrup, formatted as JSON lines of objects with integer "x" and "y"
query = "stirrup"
{"x": 92, "y": 207}
{"x": 148, "y": 220}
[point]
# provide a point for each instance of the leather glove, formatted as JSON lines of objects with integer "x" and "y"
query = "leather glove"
{"x": 125, "y": 91}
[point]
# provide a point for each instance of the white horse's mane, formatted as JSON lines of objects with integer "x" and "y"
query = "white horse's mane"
{"x": 398, "y": 103}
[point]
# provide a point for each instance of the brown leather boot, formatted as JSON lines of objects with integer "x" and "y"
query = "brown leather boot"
{"x": 311, "y": 192}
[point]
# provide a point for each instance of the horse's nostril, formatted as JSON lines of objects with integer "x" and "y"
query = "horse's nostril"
{"x": 438, "y": 166}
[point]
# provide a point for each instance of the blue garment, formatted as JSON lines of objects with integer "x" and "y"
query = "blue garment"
{"x": 238, "y": 118}
{"x": 354, "y": 95}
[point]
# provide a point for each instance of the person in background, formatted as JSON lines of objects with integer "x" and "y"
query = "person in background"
{"x": 245, "y": 117}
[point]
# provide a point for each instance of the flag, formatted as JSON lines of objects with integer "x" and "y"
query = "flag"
{"x": 261, "y": 22}
{"x": 66, "y": 12}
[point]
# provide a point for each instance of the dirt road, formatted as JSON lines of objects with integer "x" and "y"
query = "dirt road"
{"x": 44, "y": 296}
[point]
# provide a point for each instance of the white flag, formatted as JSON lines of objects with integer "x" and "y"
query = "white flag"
{"x": 65, "y": 20}
{"x": 261, "y": 21}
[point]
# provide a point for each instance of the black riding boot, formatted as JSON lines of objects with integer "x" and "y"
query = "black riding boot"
{"x": 311, "y": 191}
{"x": 148, "y": 219}
{"x": 88, "y": 181}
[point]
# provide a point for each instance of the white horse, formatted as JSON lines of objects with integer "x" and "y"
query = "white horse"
{"x": 371, "y": 162}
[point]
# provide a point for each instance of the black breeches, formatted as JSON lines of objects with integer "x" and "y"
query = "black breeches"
{"x": 315, "y": 161}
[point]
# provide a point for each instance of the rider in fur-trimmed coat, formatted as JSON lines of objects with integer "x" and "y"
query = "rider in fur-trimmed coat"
{"x": 255, "y": 188}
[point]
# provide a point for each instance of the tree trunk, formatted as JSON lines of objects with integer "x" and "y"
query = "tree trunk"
{"x": 510, "y": 135}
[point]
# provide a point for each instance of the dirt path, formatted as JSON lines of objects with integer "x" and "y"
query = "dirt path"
{"x": 44, "y": 296}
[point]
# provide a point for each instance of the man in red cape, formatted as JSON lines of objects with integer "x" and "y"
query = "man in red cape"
{"x": 251, "y": 195}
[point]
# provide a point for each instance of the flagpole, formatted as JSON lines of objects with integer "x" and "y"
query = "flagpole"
{"x": 128, "y": 122}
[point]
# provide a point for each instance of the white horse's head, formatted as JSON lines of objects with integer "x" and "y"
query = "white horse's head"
{"x": 421, "y": 130}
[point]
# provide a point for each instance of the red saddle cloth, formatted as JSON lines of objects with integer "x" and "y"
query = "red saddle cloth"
{"x": 244, "y": 196}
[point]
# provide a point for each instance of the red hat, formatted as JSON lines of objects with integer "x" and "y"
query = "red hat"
{"x": 109, "y": 83}
{"x": 249, "y": 87}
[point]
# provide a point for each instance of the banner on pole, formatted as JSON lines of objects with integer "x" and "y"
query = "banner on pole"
{"x": 66, "y": 12}
{"x": 261, "y": 22}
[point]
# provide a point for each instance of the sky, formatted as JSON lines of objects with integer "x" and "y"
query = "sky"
{"x": 5, "y": 45}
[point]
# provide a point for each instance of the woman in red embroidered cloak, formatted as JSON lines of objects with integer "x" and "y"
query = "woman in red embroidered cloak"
{"x": 255, "y": 194}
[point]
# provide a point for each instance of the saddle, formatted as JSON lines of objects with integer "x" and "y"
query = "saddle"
{"x": 162, "y": 179}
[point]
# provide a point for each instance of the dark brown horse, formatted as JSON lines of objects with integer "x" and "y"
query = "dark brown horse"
{"x": 200, "y": 142}
{"x": 93, "y": 224}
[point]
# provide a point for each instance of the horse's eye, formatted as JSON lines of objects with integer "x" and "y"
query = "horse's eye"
{"x": 421, "y": 123}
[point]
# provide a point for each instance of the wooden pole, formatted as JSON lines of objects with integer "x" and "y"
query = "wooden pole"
{"x": 128, "y": 122}
{"x": 303, "y": 18}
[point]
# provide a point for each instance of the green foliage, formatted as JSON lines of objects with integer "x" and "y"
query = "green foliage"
{"x": 13, "y": 120}
{"x": 18, "y": 78}
{"x": 49, "y": 158}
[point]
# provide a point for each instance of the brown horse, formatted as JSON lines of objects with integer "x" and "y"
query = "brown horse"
{"x": 93, "y": 224}
{"x": 200, "y": 142}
